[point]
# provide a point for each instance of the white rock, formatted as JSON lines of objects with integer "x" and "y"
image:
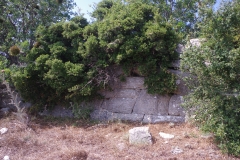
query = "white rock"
{"x": 165, "y": 135}
{"x": 3, "y": 130}
{"x": 177, "y": 150}
{"x": 140, "y": 136}
{"x": 6, "y": 158}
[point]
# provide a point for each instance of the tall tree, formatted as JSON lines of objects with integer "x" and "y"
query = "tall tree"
{"x": 20, "y": 18}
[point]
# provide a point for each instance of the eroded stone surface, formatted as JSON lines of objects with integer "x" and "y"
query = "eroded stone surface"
{"x": 175, "y": 108}
{"x": 104, "y": 115}
{"x": 120, "y": 93}
{"x": 163, "y": 103}
{"x": 146, "y": 104}
{"x": 119, "y": 105}
{"x": 158, "y": 119}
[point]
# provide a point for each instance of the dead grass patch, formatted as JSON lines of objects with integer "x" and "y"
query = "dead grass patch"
{"x": 74, "y": 139}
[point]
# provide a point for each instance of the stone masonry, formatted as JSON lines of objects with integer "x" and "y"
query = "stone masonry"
{"x": 129, "y": 100}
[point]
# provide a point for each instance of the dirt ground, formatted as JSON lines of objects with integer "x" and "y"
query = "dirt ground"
{"x": 65, "y": 139}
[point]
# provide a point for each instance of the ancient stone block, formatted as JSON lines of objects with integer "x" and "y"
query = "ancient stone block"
{"x": 175, "y": 108}
{"x": 125, "y": 117}
{"x": 157, "y": 119}
{"x": 120, "y": 93}
{"x": 104, "y": 115}
{"x": 163, "y": 104}
{"x": 146, "y": 103}
{"x": 119, "y": 105}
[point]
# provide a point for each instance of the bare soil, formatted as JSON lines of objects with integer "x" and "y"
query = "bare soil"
{"x": 67, "y": 139}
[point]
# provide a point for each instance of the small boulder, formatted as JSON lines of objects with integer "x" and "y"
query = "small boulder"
{"x": 140, "y": 136}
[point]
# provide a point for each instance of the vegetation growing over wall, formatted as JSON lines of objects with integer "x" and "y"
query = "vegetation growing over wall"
{"x": 70, "y": 59}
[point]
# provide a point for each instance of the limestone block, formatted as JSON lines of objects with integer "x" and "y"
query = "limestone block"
{"x": 140, "y": 136}
{"x": 175, "y": 108}
{"x": 146, "y": 103}
{"x": 163, "y": 104}
{"x": 120, "y": 93}
{"x": 125, "y": 117}
{"x": 158, "y": 119}
{"x": 104, "y": 115}
{"x": 133, "y": 83}
{"x": 119, "y": 105}
{"x": 128, "y": 93}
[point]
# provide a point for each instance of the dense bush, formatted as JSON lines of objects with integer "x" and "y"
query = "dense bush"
{"x": 70, "y": 60}
{"x": 215, "y": 80}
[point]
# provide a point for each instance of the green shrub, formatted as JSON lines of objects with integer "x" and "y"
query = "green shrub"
{"x": 214, "y": 78}
{"x": 71, "y": 60}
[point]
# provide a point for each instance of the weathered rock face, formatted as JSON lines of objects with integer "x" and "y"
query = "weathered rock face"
{"x": 130, "y": 101}
{"x": 140, "y": 136}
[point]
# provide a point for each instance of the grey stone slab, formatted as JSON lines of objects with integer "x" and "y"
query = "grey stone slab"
{"x": 158, "y": 119}
{"x": 125, "y": 117}
{"x": 163, "y": 104}
{"x": 104, "y": 115}
{"x": 146, "y": 103}
{"x": 126, "y": 93}
{"x": 119, "y": 105}
{"x": 133, "y": 83}
{"x": 175, "y": 108}
{"x": 120, "y": 93}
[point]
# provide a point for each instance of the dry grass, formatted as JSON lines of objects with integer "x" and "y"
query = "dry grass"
{"x": 57, "y": 139}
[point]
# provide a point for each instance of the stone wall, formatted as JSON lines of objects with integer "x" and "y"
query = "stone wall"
{"x": 130, "y": 101}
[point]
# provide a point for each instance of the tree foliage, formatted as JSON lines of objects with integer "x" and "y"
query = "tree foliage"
{"x": 214, "y": 79}
{"x": 20, "y": 18}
